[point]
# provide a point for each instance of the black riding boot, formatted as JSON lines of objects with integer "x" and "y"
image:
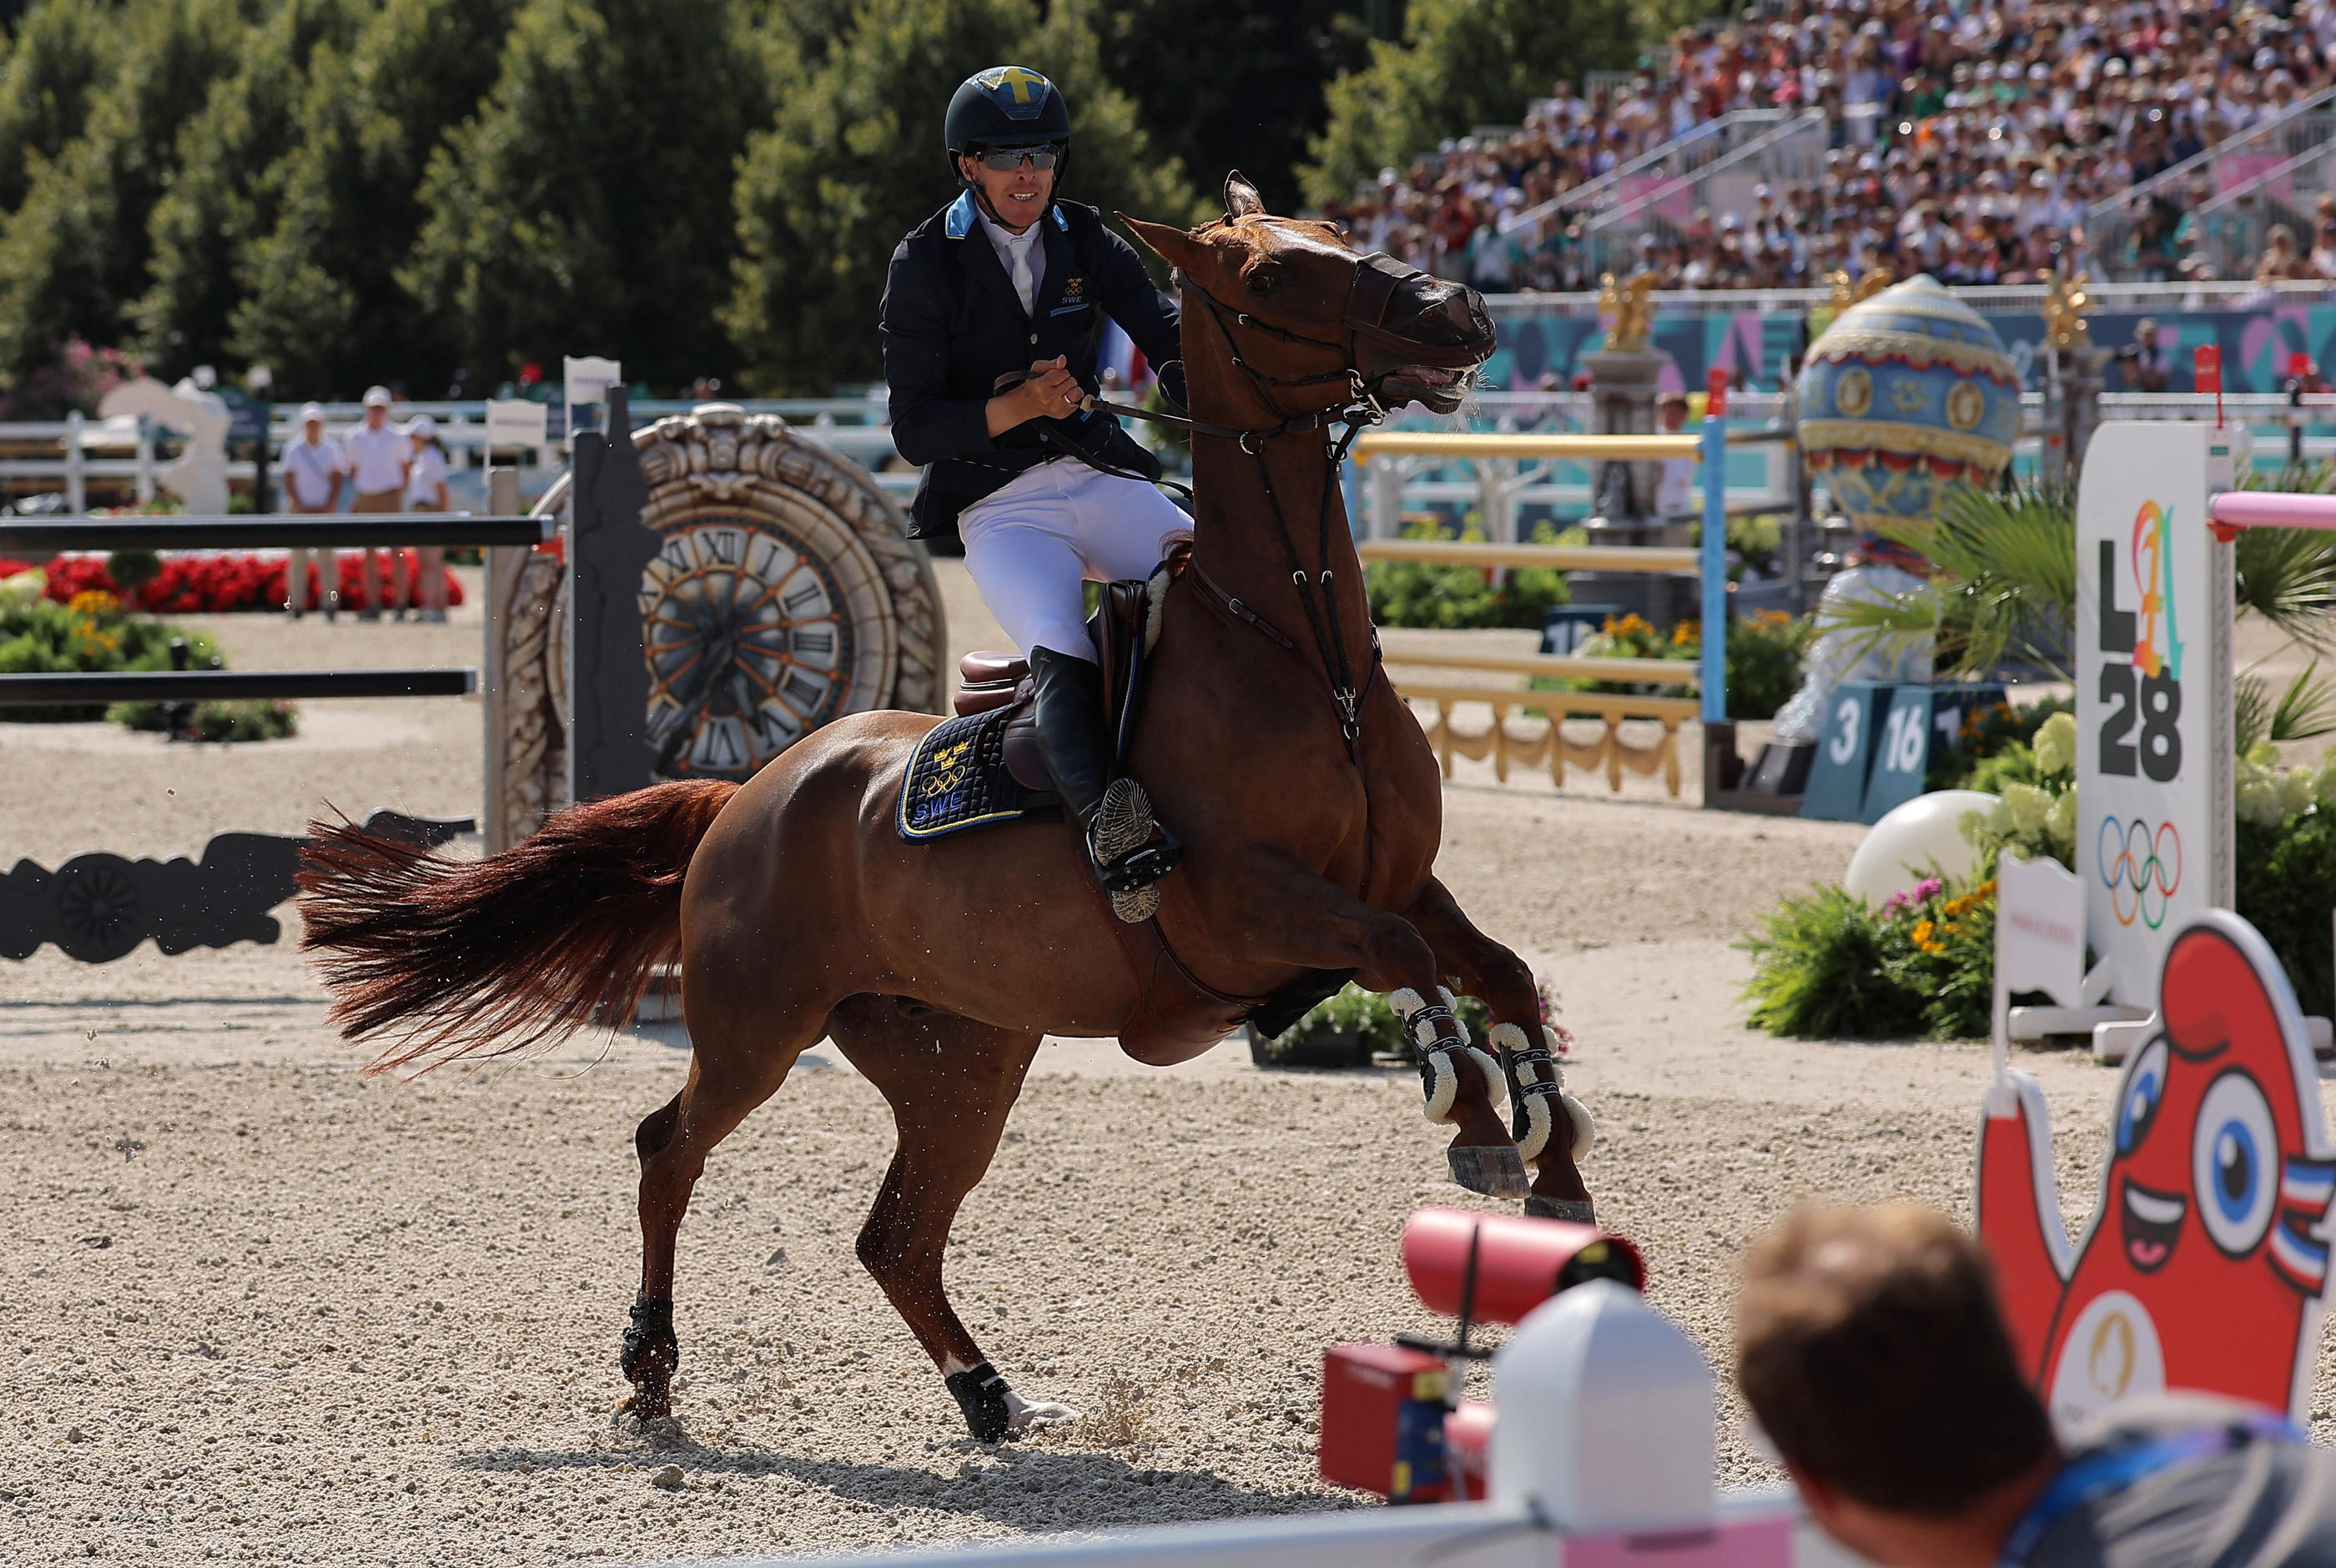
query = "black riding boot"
{"x": 1129, "y": 852}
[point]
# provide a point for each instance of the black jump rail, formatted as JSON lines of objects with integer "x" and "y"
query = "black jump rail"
{"x": 206, "y": 686}
{"x": 39, "y": 538}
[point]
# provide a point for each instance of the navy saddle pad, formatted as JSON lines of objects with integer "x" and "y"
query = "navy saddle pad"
{"x": 958, "y": 779}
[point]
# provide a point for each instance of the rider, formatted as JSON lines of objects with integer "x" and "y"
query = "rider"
{"x": 992, "y": 315}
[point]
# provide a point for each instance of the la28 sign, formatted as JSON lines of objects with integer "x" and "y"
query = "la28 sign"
{"x": 2153, "y": 638}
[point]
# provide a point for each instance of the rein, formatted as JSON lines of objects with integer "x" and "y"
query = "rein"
{"x": 1370, "y": 290}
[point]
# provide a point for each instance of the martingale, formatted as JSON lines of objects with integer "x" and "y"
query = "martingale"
{"x": 957, "y": 780}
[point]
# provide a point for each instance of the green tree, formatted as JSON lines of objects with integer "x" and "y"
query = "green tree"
{"x": 1461, "y": 62}
{"x": 73, "y": 256}
{"x": 1225, "y": 84}
{"x": 855, "y": 160}
{"x": 321, "y": 301}
{"x": 588, "y": 207}
{"x": 226, "y": 186}
{"x": 57, "y": 59}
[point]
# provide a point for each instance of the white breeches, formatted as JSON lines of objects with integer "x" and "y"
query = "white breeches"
{"x": 1032, "y": 544}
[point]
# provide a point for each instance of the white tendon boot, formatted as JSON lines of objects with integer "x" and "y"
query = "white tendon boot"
{"x": 1443, "y": 1057}
{"x": 1535, "y": 1080}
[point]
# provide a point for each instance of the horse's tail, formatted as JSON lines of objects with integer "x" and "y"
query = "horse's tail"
{"x": 451, "y": 959}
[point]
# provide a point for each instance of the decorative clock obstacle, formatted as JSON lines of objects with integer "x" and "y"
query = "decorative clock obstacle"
{"x": 723, "y": 587}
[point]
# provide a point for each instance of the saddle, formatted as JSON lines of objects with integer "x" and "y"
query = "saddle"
{"x": 1122, "y": 632}
{"x": 986, "y": 760}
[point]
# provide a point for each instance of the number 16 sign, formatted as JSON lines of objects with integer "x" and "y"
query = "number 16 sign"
{"x": 2152, "y": 644}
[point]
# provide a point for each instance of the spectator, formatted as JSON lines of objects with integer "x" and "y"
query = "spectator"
{"x": 1872, "y": 1352}
{"x": 2323, "y": 236}
{"x": 1675, "y": 484}
{"x": 2147, "y": 366}
{"x": 314, "y": 470}
{"x": 2279, "y": 262}
{"x": 425, "y": 491}
{"x": 2012, "y": 121}
{"x": 377, "y": 460}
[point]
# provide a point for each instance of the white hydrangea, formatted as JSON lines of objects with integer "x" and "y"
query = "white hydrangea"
{"x": 2296, "y": 792}
{"x": 2061, "y": 821}
{"x": 2324, "y": 783}
{"x": 2056, "y": 745}
{"x": 2258, "y": 795}
{"x": 2027, "y": 808}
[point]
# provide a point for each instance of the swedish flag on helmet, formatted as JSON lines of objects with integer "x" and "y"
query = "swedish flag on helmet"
{"x": 1004, "y": 106}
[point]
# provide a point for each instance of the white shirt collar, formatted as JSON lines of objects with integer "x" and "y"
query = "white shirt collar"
{"x": 1002, "y": 237}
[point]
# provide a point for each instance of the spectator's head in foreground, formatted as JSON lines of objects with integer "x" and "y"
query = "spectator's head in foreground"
{"x": 376, "y": 406}
{"x": 312, "y": 422}
{"x": 1871, "y": 1349}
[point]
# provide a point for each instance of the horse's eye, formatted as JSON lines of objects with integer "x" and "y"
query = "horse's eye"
{"x": 1263, "y": 279}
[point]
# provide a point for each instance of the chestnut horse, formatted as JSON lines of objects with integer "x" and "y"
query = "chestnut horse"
{"x": 1309, "y": 802}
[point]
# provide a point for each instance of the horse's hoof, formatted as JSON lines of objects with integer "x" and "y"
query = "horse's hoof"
{"x": 1576, "y": 1210}
{"x": 1496, "y": 1172}
{"x": 652, "y": 1419}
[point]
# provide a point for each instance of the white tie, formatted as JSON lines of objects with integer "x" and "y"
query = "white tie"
{"x": 1024, "y": 284}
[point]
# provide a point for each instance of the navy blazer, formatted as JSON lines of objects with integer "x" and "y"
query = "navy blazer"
{"x": 952, "y": 324}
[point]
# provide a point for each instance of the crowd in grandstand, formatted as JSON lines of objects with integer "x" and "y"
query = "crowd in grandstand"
{"x": 1967, "y": 139}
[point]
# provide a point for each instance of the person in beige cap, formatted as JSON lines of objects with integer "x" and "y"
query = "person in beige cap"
{"x": 315, "y": 469}
{"x": 425, "y": 491}
{"x": 378, "y": 451}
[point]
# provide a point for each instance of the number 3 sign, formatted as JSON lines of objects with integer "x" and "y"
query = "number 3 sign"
{"x": 2152, "y": 642}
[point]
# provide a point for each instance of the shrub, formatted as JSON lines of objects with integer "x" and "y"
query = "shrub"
{"x": 1827, "y": 967}
{"x": 1817, "y": 973}
{"x": 263, "y": 719}
{"x": 1766, "y": 652}
{"x": 1456, "y": 597}
{"x": 88, "y": 634}
{"x": 1355, "y": 1026}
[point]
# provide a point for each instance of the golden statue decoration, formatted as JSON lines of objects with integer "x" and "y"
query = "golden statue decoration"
{"x": 2066, "y": 301}
{"x": 1629, "y": 306}
{"x": 1847, "y": 293}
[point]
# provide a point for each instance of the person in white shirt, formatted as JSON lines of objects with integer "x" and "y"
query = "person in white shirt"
{"x": 1675, "y": 484}
{"x": 378, "y": 451}
{"x": 314, "y": 468}
{"x": 425, "y": 491}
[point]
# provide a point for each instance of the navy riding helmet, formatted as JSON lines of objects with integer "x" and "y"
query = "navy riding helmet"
{"x": 1007, "y": 106}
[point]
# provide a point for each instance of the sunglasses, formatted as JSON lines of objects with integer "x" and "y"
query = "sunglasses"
{"x": 1006, "y": 159}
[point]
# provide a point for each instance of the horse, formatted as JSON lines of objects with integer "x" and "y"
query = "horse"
{"x": 1300, "y": 784}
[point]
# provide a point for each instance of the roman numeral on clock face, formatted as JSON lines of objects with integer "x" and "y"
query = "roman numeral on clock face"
{"x": 802, "y": 692}
{"x": 776, "y": 729}
{"x": 812, "y": 640}
{"x": 717, "y": 746}
{"x": 803, "y": 598}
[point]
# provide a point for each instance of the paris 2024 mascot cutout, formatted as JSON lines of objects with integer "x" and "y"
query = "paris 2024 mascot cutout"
{"x": 2205, "y": 1265}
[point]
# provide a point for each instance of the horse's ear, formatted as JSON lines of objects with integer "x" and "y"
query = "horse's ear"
{"x": 1241, "y": 200}
{"x": 1173, "y": 245}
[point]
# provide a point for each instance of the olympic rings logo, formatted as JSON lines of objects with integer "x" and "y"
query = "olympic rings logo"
{"x": 2142, "y": 872}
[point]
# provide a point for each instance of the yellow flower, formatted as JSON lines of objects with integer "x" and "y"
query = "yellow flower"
{"x": 94, "y": 603}
{"x": 1925, "y": 936}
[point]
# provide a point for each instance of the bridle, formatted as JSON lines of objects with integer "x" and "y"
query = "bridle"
{"x": 1372, "y": 288}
